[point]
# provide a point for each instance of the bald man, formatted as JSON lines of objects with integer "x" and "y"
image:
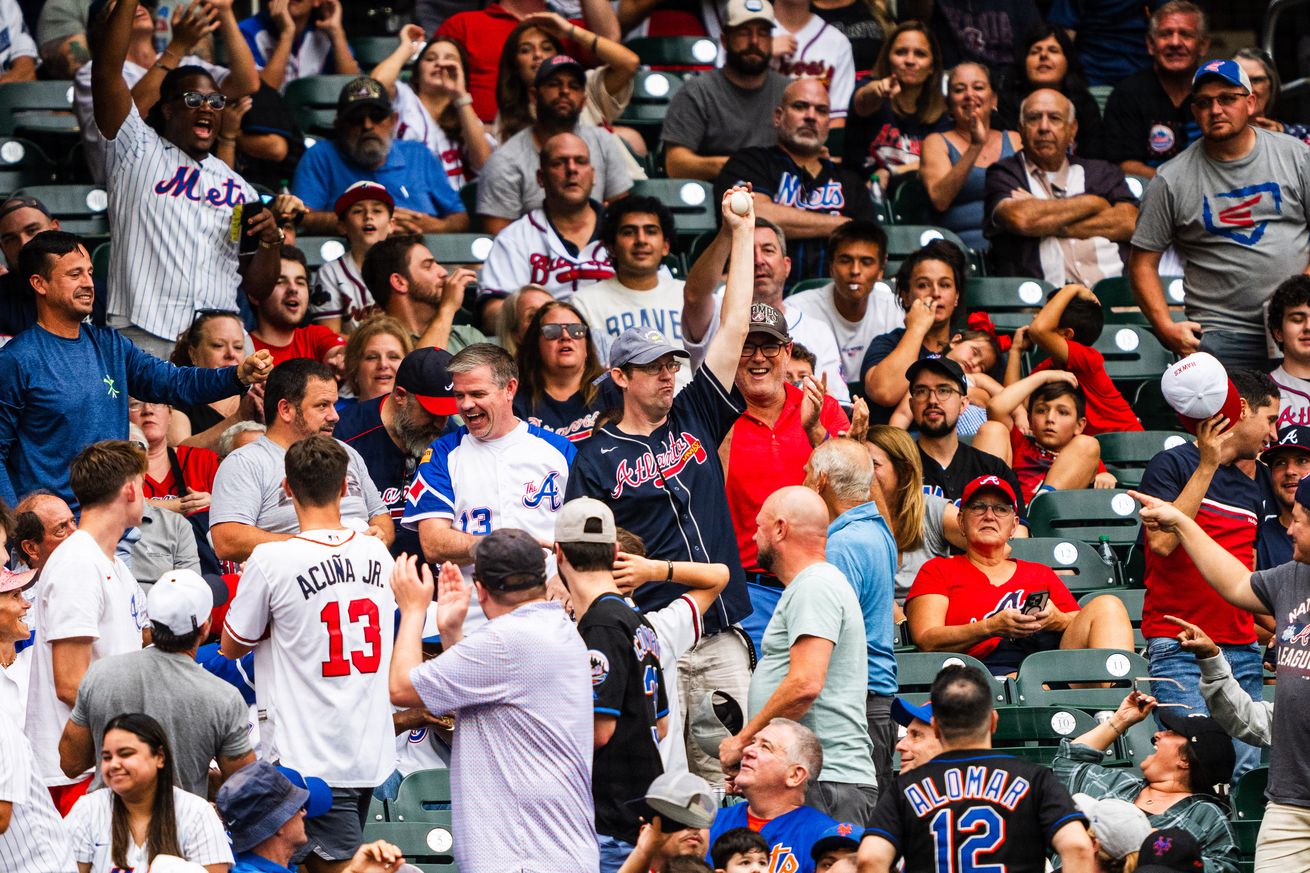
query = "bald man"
{"x": 814, "y": 665}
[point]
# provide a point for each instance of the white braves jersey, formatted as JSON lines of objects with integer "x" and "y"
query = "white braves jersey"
{"x": 176, "y": 231}
{"x": 413, "y": 122}
{"x": 822, "y": 52}
{"x": 340, "y": 292}
{"x": 529, "y": 251}
{"x": 678, "y": 627}
{"x": 884, "y": 314}
{"x": 325, "y": 599}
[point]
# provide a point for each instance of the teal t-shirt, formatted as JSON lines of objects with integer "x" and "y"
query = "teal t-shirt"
{"x": 819, "y": 602}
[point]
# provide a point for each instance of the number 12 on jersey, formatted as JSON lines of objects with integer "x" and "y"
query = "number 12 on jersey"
{"x": 365, "y": 660}
{"x": 980, "y": 831}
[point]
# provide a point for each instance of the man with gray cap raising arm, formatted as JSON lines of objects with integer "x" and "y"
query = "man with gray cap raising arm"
{"x": 520, "y": 688}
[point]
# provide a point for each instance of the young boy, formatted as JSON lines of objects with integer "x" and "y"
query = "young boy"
{"x": 1289, "y": 325}
{"x": 801, "y": 365}
{"x": 341, "y": 300}
{"x": 1066, "y": 328}
{"x": 840, "y": 841}
{"x": 740, "y": 850}
{"x": 1057, "y": 456}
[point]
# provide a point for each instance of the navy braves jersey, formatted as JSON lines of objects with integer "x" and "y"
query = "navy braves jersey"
{"x": 668, "y": 489}
{"x": 974, "y": 809}
{"x": 391, "y": 469}
{"x": 572, "y": 418}
{"x": 790, "y": 836}
{"x": 628, "y": 684}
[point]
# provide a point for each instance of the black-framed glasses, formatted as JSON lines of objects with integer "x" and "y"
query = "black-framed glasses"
{"x": 941, "y": 392}
{"x": 769, "y": 350}
{"x": 574, "y": 329}
{"x": 979, "y": 509}
{"x": 195, "y": 99}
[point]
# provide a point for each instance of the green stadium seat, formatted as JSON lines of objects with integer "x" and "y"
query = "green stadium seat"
{"x": 37, "y": 107}
{"x": 1132, "y": 355}
{"x": 377, "y": 810}
{"x": 369, "y": 51}
{"x": 1010, "y": 301}
{"x": 915, "y": 672}
{"x": 1061, "y": 667}
{"x": 421, "y": 795}
{"x": 458, "y": 248}
{"x": 904, "y": 239}
{"x": 1133, "y": 599}
{"x": 1126, "y": 454}
{"x": 695, "y": 211}
{"x": 428, "y": 845}
{"x": 468, "y": 195}
{"x": 1034, "y": 732}
{"x": 313, "y": 102}
{"x": 1077, "y": 563}
{"x": 1116, "y": 296}
{"x": 100, "y": 262}
{"x": 1248, "y": 795}
{"x": 1152, "y": 411}
{"x": 321, "y": 249}
{"x": 910, "y": 203}
{"x": 1137, "y": 185}
{"x": 81, "y": 209}
{"x": 22, "y": 164}
{"x": 1086, "y": 515}
{"x": 652, "y": 92}
{"x": 682, "y": 53}
{"x": 806, "y": 285}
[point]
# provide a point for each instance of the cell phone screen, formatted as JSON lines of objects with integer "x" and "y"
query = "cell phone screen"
{"x": 1035, "y": 602}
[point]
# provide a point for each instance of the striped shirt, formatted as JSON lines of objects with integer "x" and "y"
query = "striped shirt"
{"x": 414, "y": 122}
{"x": 200, "y": 833}
{"x": 175, "y": 250}
{"x": 340, "y": 292}
{"x": 36, "y": 840}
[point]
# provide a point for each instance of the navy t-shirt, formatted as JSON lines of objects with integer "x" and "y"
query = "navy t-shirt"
{"x": 880, "y": 347}
{"x": 1273, "y": 544}
{"x": 391, "y": 470}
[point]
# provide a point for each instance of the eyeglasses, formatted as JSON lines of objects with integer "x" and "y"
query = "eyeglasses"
{"x": 1000, "y": 510}
{"x": 769, "y": 350}
{"x": 194, "y": 100}
{"x": 940, "y": 392}
{"x": 555, "y": 331}
{"x": 655, "y": 369}
{"x": 1224, "y": 100}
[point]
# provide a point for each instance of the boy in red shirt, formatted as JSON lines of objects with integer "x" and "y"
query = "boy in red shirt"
{"x": 280, "y": 314}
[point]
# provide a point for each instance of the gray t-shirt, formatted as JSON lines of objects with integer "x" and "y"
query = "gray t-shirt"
{"x": 508, "y": 187}
{"x": 934, "y": 545}
{"x": 202, "y": 716}
{"x": 168, "y": 542}
{"x": 1285, "y": 590}
{"x": 712, "y": 116}
{"x": 1239, "y": 226}
{"x": 248, "y": 489}
{"x": 819, "y": 602}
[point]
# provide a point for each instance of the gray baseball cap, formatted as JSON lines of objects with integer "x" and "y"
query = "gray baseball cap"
{"x": 572, "y": 520}
{"x": 714, "y": 718}
{"x": 642, "y": 345}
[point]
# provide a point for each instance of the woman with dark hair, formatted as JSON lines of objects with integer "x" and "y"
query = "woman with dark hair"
{"x": 434, "y": 107}
{"x": 558, "y": 369}
{"x": 140, "y": 814}
{"x": 214, "y": 339}
{"x": 1047, "y": 59}
{"x": 898, "y": 106}
{"x": 1266, "y": 85}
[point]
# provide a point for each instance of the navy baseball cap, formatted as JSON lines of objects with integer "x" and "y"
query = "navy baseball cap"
{"x": 944, "y": 366}
{"x": 423, "y": 373}
{"x": 1169, "y": 850}
{"x": 509, "y": 559}
{"x": 1225, "y": 70}
{"x": 559, "y": 63}
{"x": 842, "y": 835}
{"x": 257, "y": 800}
{"x": 642, "y": 345}
{"x": 1291, "y": 437}
{"x": 1211, "y": 746}
{"x": 904, "y": 712}
{"x": 362, "y": 91}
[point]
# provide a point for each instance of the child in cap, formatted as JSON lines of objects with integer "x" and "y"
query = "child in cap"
{"x": 740, "y": 850}
{"x": 842, "y": 840}
{"x": 340, "y": 299}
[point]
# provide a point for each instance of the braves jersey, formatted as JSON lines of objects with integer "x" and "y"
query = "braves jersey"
{"x": 340, "y": 292}
{"x": 822, "y": 52}
{"x": 790, "y": 836}
{"x": 667, "y": 487}
{"x": 531, "y": 251}
{"x": 325, "y": 599}
{"x": 971, "y": 810}
{"x": 413, "y": 122}
{"x": 391, "y": 470}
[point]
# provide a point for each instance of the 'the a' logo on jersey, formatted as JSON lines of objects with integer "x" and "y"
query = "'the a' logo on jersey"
{"x": 1230, "y": 213}
{"x": 684, "y": 449}
{"x": 1012, "y": 600}
{"x": 548, "y": 490}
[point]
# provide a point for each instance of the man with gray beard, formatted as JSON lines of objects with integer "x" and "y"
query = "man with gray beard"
{"x": 365, "y": 149}
{"x": 391, "y": 432}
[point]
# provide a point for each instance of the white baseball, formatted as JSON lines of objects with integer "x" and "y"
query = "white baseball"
{"x": 740, "y": 202}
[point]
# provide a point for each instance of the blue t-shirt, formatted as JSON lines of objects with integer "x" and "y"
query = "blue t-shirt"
{"x": 790, "y": 836}
{"x": 1273, "y": 544}
{"x": 414, "y": 178}
{"x": 1111, "y": 35}
{"x": 59, "y": 395}
{"x": 861, "y": 545}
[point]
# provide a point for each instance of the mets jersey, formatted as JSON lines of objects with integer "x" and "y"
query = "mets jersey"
{"x": 530, "y": 251}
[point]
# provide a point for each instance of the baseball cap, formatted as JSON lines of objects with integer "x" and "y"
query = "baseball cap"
{"x": 1210, "y": 744}
{"x": 996, "y": 483}
{"x": 363, "y": 190}
{"x": 509, "y": 559}
{"x": 257, "y": 800}
{"x": 682, "y": 798}
{"x": 1120, "y": 827}
{"x": 642, "y": 345}
{"x": 22, "y": 201}
{"x": 1226, "y": 70}
{"x": 1292, "y": 437}
{"x": 767, "y": 320}
{"x": 362, "y": 91}
{"x": 714, "y": 718}
{"x": 1197, "y": 388}
{"x": 423, "y": 373}
{"x": 842, "y": 835}
{"x": 181, "y": 601}
{"x": 571, "y": 522}
{"x": 558, "y": 64}
{"x": 320, "y": 795}
{"x": 1169, "y": 850}
{"x": 11, "y": 581}
{"x": 741, "y": 11}
{"x": 904, "y": 712}
{"x": 943, "y": 366}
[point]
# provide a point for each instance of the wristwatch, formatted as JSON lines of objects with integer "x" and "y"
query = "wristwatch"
{"x": 281, "y": 238}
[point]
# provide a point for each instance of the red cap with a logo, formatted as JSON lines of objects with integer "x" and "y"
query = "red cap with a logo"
{"x": 995, "y": 482}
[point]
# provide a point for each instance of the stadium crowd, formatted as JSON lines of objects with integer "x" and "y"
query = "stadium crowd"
{"x": 897, "y": 427}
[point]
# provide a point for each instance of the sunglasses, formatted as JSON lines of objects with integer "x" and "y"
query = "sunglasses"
{"x": 555, "y": 331}
{"x": 194, "y": 100}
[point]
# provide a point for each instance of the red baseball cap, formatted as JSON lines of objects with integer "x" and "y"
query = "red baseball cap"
{"x": 363, "y": 190}
{"x": 994, "y": 482}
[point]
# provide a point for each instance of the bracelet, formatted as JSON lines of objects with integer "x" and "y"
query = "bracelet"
{"x": 670, "y": 579}
{"x": 165, "y": 67}
{"x": 461, "y": 102}
{"x": 281, "y": 238}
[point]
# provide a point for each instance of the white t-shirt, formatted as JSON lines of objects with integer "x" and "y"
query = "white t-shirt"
{"x": 530, "y": 251}
{"x": 200, "y": 833}
{"x": 822, "y": 52}
{"x": 348, "y": 298}
{"x": 421, "y": 749}
{"x": 678, "y": 627}
{"x": 81, "y": 593}
{"x": 414, "y": 123}
{"x": 325, "y": 597}
{"x": 15, "y": 41}
{"x": 610, "y": 308}
{"x": 1294, "y": 406}
{"x": 884, "y": 314}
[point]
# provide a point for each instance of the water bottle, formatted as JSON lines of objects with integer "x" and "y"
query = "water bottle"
{"x": 1106, "y": 551}
{"x": 163, "y": 28}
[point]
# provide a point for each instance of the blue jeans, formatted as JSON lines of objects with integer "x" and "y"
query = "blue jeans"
{"x": 1242, "y": 350}
{"x": 1167, "y": 658}
{"x": 613, "y": 852}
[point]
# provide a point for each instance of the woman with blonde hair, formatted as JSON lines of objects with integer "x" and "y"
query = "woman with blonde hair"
{"x": 1117, "y": 829}
{"x": 373, "y": 354}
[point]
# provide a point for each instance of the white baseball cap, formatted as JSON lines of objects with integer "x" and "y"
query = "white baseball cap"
{"x": 1119, "y": 826}
{"x": 182, "y": 600}
{"x": 741, "y": 11}
{"x": 1197, "y": 388}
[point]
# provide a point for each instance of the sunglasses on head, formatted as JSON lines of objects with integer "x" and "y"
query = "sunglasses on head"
{"x": 555, "y": 331}
{"x": 194, "y": 100}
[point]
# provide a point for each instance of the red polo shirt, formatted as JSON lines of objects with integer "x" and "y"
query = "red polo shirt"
{"x": 761, "y": 459}
{"x": 312, "y": 341}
